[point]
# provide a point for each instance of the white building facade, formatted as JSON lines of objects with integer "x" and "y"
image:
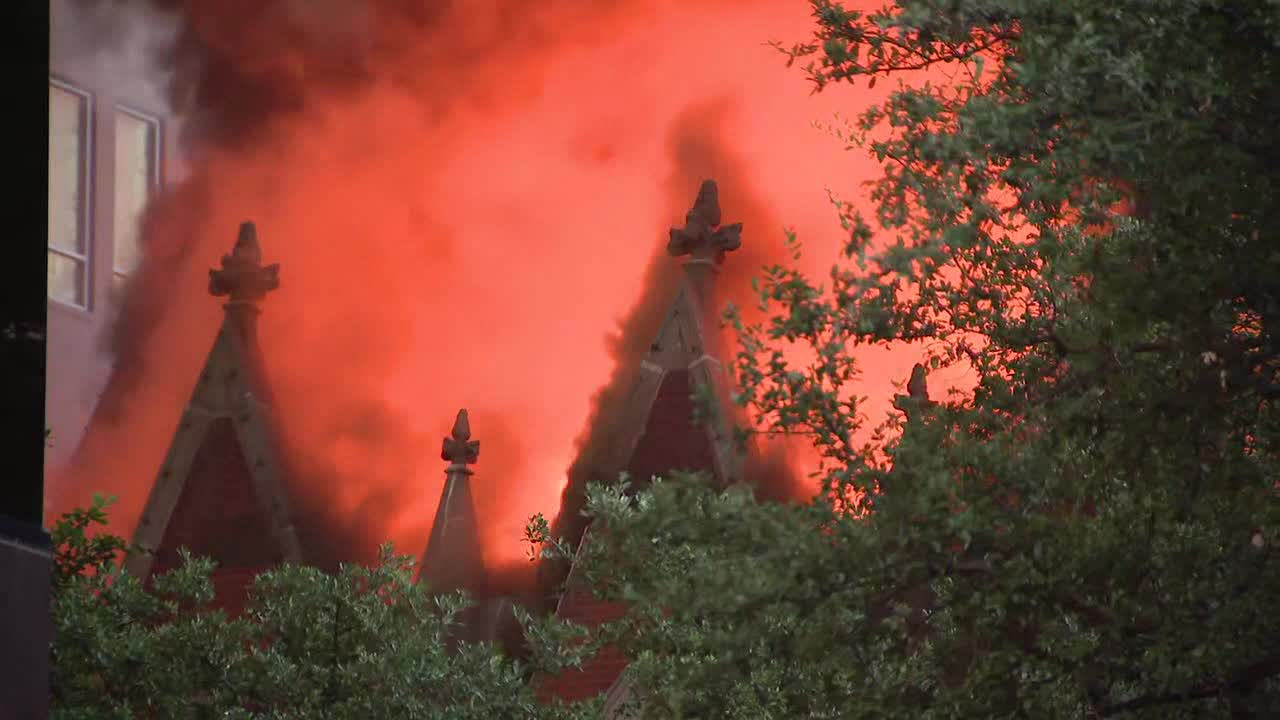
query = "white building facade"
{"x": 111, "y": 149}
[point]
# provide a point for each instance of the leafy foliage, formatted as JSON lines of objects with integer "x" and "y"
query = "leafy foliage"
{"x": 366, "y": 642}
{"x": 1078, "y": 210}
{"x": 78, "y": 551}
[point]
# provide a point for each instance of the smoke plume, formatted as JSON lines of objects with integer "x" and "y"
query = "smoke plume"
{"x": 464, "y": 198}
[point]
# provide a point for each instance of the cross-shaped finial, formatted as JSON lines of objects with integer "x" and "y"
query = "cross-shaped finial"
{"x": 917, "y": 397}
{"x": 702, "y": 235}
{"x": 460, "y": 449}
{"x": 242, "y": 276}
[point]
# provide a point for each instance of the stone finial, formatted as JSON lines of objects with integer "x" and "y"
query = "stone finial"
{"x": 460, "y": 449}
{"x": 702, "y": 236}
{"x": 917, "y": 396}
{"x": 242, "y": 276}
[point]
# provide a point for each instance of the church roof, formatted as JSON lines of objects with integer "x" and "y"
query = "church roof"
{"x": 677, "y": 416}
{"x": 220, "y": 491}
{"x": 646, "y": 428}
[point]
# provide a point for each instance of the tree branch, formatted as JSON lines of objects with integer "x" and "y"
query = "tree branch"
{"x": 1242, "y": 681}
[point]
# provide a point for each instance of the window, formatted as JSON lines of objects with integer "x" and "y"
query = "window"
{"x": 68, "y": 272}
{"x": 137, "y": 175}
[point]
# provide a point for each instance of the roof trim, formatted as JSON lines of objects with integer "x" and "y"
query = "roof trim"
{"x": 230, "y": 386}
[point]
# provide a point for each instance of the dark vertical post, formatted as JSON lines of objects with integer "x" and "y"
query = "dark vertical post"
{"x": 25, "y": 554}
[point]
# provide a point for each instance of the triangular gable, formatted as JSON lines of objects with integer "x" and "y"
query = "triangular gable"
{"x": 656, "y": 421}
{"x": 656, "y": 432}
{"x": 220, "y": 488}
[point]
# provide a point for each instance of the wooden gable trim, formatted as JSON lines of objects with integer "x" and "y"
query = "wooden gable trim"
{"x": 618, "y": 701}
{"x": 682, "y": 343}
{"x": 255, "y": 430}
{"x": 224, "y": 391}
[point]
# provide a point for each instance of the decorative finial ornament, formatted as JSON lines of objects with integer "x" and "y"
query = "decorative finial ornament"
{"x": 242, "y": 276}
{"x": 702, "y": 236}
{"x": 917, "y": 386}
{"x": 917, "y": 396}
{"x": 460, "y": 449}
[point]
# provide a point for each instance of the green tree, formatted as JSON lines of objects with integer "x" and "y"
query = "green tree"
{"x": 1078, "y": 204}
{"x": 366, "y": 642}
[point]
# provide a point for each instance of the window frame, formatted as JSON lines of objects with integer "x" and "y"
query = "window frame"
{"x": 85, "y": 259}
{"x": 157, "y": 164}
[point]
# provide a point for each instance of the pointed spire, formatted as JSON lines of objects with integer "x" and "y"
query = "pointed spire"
{"x": 222, "y": 467}
{"x": 677, "y": 416}
{"x": 682, "y": 375}
{"x": 452, "y": 559}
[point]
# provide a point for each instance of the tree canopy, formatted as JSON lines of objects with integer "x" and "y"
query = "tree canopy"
{"x": 365, "y": 642}
{"x": 1078, "y": 206}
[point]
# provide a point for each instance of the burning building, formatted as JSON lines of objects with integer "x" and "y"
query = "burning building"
{"x": 220, "y": 491}
{"x": 420, "y": 199}
{"x": 676, "y": 417}
{"x": 223, "y": 489}
{"x": 449, "y": 236}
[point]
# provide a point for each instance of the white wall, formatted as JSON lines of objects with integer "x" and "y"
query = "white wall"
{"x": 107, "y": 53}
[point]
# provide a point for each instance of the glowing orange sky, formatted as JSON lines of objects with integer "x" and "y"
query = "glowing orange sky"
{"x": 477, "y": 255}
